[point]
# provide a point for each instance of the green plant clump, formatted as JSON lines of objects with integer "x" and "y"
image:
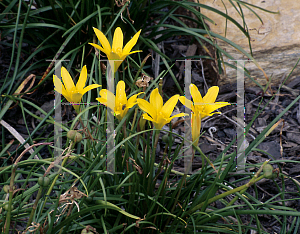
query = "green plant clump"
{"x": 98, "y": 171}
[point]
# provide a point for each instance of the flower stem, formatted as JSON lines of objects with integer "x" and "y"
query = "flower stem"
{"x": 125, "y": 159}
{"x": 238, "y": 189}
{"x": 88, "y": 132}
{"x": 11, "y": 190}
{"x": 35, "y": 206}
{"x": 126, "y": 145}
{"x": 56, "y": 177}
{"x": 242, "y": 188}
{"x": 161, "y": 163}
{"x": 152, "y": 162}
{"x": 204, "y": 157}
{"x": 160, "y": 85}
{"x": 182, "y": 181}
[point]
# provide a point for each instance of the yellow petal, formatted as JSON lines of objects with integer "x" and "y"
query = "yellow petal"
{"x": 58, "y": 86}
{"x": 196, "y": 128}
{"x": 156, "y": 100}
{"x": 103, "y": 101}
{"x": 82, "y": 79}
{"x": 124, "y": 112}
{"x": 132, "y": 100}
{"x": 103, "y": 93}
{"x": 76, "y": 107}
{"x": 76, "y": 97}
{"x": 120, "y": 116}
{"x": 211, "y": 95}
{"x": 107, "y": 98}
{"x": 147, "y": 117}
{"x": 117, "y": 45}
{"x": 147, "y": 107}
{"x": 68, "y": 82}
{"x": 208, "y": 108}
{"x": 88, "y": 88}
{"x": 187, "y": 103}
{"x": 169, "y": 106}
{"x": 131, "y": 43}
{"x": 121, "y": 98}
{"x": 114, "y": 56}
{"x": 197, "y": 98}
{"x": 115, "y": 64}
{"x": 178, "y": 115}
{"x": 136, "y": 51}
{"x": 160, "y": 122}
{"x": 99, "y": 48}
{"x": 175, "y": 116}
{"x": 103, "y": 40}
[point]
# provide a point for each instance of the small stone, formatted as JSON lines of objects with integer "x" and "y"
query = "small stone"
{"x": 272, "y": 147}
{"x": 295, "y": 137}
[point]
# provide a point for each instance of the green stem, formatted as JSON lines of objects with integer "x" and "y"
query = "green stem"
{"x": 172, "y": 171}
{"x": 236, "y": 197}
{"x": 150, "y": 179}
{"x": 161, "y": 163}
{"x": 182, "y": 181}
{"x": 11, "y": 190}
{"x": 88, "y": 131}
{"x": 54, "y": 181}
{"x": 35, "y": 206}
{"x": 245, "y": 186}
{"x": 133, "y": 121}
{"x": 244, "y": 190}
{"x": 160, "y": 85}
{"x": 125, "y": 159}
{"x": 204, "y": 157}
{"x": 56, "y": 177}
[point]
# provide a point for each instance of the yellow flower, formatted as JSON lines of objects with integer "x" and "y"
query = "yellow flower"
{"x": 119, "y": 103}
{"x": 116, "y": 52}
{"x": 160, "y": 114}
{"x": 72, "y": 93}
{"x": 201, "y": 107}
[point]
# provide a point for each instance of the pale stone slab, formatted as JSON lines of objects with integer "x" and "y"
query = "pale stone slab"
{"x": 275, "y": 43}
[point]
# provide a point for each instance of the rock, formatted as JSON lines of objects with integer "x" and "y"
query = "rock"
{"x": 206, "y": 148}
{"x": 231, "y": 133}
{"x": 275, "y": 42}
{"x": 295, "y": 137}
{"x": 272, "y": 147}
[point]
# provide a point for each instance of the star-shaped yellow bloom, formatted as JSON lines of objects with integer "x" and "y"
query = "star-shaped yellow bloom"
{"x": 116, "y": 52}
{"x": 201, "y": 107}
{"x": 72, "y": 93}
{"x": 159, "y": 113}
{"x": 119, "y": 103}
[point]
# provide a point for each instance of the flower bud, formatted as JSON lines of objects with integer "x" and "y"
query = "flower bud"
{"x": 268, "y": 171}
{"x": 43, "y": 181}
{"x": 74, "y": 136}
{"x": 165, "y": 138}
{"x": 142, "y": 123}
{"x": 6, "y": 206}
{"x": 86, "y": 231}
{"x": 78, "y": 137}
{"x": 6, "y": 188}
{"x": 71, "y": 134}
